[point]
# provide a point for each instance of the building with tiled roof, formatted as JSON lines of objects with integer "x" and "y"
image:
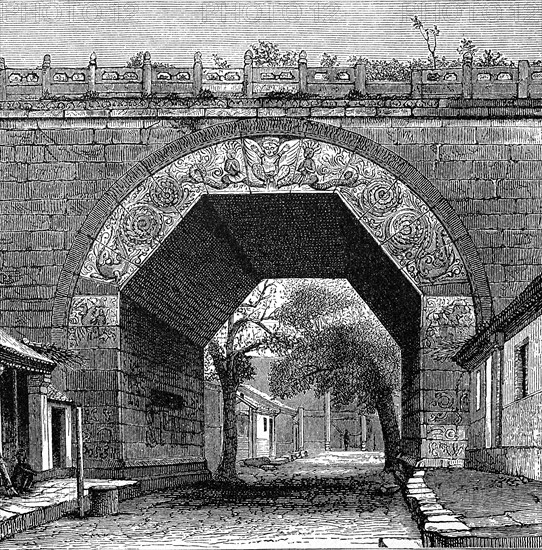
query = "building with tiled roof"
{"x": 504, "y": 362}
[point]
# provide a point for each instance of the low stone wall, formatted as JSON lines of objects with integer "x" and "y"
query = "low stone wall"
{"x": 515, "y": 461}
{"x": 432, "y": 519}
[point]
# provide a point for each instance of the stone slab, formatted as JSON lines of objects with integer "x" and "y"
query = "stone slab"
{"x": 399, "y": 543}
{"x": 445, "y": 526}
{"x": 490, "y": 521}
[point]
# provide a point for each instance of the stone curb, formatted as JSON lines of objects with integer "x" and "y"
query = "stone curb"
{"x": 432, "y": 519}
{"x": 20, "y": 520}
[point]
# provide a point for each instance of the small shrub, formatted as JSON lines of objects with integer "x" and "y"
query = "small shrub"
{"x": 285, "y": 95}
{"x": 206, "y": 95}
{"x": 328, "y": 60}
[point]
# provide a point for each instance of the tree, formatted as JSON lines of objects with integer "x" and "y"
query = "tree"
{"x": 328, "y": 60}
{"x": 429, "y": 36}
{"x": 339, "y": 346}
{"x": 268, "y": 54}
{"x": 246, "y": 330}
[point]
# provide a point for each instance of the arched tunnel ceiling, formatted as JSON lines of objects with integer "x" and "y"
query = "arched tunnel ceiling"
{"x": 228, "y": 243}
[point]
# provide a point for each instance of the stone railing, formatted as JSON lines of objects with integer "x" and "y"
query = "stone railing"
{"x": 523, "y": 81}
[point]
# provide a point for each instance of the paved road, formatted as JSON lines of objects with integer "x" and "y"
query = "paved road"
{"x": 333, "y": 500}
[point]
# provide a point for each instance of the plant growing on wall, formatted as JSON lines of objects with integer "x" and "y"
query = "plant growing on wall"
{"x": 220, "y": 62}
{"x": 136, "y": 62}
{"x": 489, "y": 58}
{"x": 332, "y": 343}
{"x": 466, "y": 47}
{"x": 394, "y": 70}
{"x": 328, "y": 60}
{"x": 269, "y": 54}
{"x": 430, "y": 37}
{"x": 391, "y": 70}
{"x": 492, "y": 59}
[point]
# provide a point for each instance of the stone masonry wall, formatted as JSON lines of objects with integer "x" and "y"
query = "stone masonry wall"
{"x": 161, "y": 389}
{"x": 53, "y": 170}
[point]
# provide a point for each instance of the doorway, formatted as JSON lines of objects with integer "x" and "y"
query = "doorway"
{"x": 60, "y": 436}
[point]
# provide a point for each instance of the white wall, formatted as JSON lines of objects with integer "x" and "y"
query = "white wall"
{"x": 534, "y": 333}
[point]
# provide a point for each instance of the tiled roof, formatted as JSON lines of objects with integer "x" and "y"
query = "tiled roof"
{"x": 516, "y": 316}
{"x": 53, "y": 394}
{"x": 258, "y": 405}
{"x": 18, "y": 355}
{"x": 265, "y": 399}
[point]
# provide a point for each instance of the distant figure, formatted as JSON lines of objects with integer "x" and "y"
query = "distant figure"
{"x": 5, "y": 480}
{"x": 23, "y": 474}
{"x": 346, "y": 440}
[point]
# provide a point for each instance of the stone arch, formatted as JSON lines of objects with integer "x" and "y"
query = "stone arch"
{"x": 402, "y": 214}
{"x": 429, "y": 203}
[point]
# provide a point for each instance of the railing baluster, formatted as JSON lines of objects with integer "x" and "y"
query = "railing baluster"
{"x": 146, "y": 84}
{"x": 92, "y": 65}
{"x": 524, "y": 79}
{"x": 360, "y": 75}
{"x": 248, "y": 75}
{"x": 46, "y": 75}
{"x": 3, "y": 80}
{"x": 302, "y": 64}
{"x": 416, "y": 83}
{"x": 198, "y": 74}
{"x": 467, "y": 76}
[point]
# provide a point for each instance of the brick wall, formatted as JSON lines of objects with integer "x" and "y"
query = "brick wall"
{"x": 55, "y": 167}
{"x": 54, "y": 170}
{"x": 213, "y": 424}
{"x": 489, "y": 171}
{"x": 161, "y": 389}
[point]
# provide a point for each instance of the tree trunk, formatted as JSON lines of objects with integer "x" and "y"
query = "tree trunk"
{"x": 390, "y": 429}
{"x": 226, "y": 470}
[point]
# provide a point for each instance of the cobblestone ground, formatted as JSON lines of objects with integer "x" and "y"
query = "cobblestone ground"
{"x": 333, "y": 500}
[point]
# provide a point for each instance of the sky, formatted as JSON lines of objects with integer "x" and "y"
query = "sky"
{"x": 70, "y": 30}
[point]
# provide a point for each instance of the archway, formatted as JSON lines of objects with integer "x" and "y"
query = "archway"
{"x": 182, "y": 238}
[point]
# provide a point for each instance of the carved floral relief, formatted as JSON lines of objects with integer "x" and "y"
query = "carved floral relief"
{"x": 397, "y": 219}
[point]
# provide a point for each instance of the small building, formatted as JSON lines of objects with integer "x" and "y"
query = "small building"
{"x": 25, "y": 376}
{"x": 322, "y": 424}
{"x": 504, "y": 364}
{"x": 34, "y": 414}
{"x": 265, "y": 426}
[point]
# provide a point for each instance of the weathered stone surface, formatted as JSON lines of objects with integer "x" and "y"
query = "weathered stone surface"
{"x": 117, "y": 135}
{"x": 54, "y": 169}
{"x": 445, "y": 526}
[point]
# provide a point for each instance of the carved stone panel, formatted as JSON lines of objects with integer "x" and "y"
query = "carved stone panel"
{"x": 94, "y": 322}
{"x": 398, "y": 220}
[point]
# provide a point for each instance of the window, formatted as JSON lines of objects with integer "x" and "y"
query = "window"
{"x": 522, "y": 369}
{"x": 478, "y": 389}
{"x": 265, "y": 424}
